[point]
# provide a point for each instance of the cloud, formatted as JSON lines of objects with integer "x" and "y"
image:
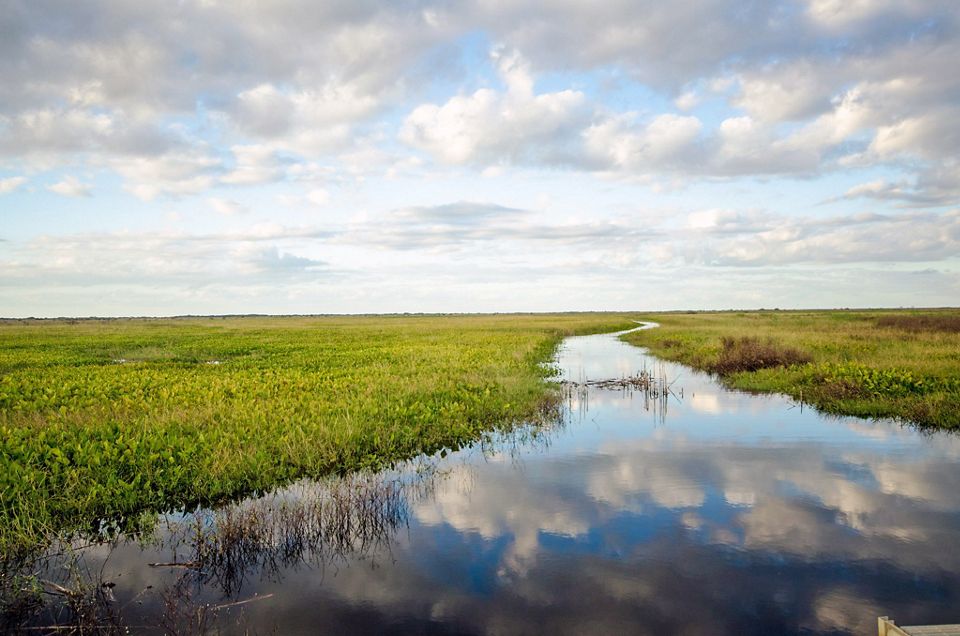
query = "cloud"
{"x": 459, "y": 213}
{"x": 10, "y": 184}
{"x": 318, "y": 196}
{"x": 113, "y": 87}
{"x": 226, "y": 207}
{"x": 309, "y": 122}
{"x": 936, "y": 186}
{"x": 466, "y": 224}
{"x": 489, "y": 126}
{"x": 668, "y": 141}
{"x": 70, "y": 186}
{"x": 253, "y": 165}
{"x": 175, "y": 174}
{"x": 862, "y": 238}
{"x": 256, "y": 254}
{"x": 273, "y": 260}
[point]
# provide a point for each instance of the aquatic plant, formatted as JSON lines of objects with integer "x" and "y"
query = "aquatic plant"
{"x": 104, "y": 420}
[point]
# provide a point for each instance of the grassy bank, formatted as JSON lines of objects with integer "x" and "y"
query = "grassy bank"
{"x": 900, "y": 364}
{"x": 109, "y": 419}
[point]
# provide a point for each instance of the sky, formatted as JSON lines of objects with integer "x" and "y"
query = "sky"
{"x": 352, "y": 156}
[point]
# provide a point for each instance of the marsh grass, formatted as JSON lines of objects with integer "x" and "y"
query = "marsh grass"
{"x": 211, "y": 554}
{"x": 747, "y": 353}
{"x": 92, "y": 446}
{"x": 947, "y": 323}
{"x": 886, "y": 363}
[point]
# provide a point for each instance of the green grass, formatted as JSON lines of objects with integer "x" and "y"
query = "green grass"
{"x": 898, "y": 364}
{"x": 202, "y": 410}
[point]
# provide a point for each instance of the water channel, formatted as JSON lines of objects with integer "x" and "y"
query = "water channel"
{"x": 701, "y": 511}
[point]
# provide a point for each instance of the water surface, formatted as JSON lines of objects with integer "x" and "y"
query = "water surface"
{"x": 717, "y": 512}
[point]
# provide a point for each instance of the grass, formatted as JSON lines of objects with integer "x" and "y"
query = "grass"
{"x": 103, "y": 423}
{"x": 897, "y": 364}
{"x": 746, "y": 353}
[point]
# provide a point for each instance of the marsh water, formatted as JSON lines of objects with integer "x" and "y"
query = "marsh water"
{"x": 701, "y": 511}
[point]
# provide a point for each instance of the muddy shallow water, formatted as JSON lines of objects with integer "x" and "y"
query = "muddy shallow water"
{"x": 710, "y": 511}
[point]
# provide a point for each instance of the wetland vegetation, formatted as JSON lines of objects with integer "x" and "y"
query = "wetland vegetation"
{"x": 216, "y": 420}
{"x": 900, "y": 364}
{"x": 103, "y": 423}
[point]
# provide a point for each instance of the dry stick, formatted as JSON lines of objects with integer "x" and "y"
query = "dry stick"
{"x": 243, "y": 602}
{"x": 175, "y": 564}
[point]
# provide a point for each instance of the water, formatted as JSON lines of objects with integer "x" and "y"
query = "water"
{"x": 722, "y": 513}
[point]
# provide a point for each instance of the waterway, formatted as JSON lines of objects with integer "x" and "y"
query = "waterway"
{"x": 703, "y": 510}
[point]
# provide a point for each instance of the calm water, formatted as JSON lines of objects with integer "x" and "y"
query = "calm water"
{"x": 727, "y": 513}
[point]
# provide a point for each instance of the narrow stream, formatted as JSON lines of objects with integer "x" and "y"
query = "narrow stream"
{"x": 705, "y": 511}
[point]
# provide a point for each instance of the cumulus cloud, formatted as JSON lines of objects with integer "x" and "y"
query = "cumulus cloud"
{"x": 668, "y": 141}
{"x": 178, "y": 173}
{"x": 111, "y": 86}
{"x": 396, "y": 109}
{"x": 310, "y": 122}
{"x": 70, "y": 186}
{"x": 253, "y": 165}
{"x": 489, "y": 126}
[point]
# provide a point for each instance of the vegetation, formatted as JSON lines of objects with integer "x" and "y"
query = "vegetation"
{"x": 102, "y": 420}
{"x": 899, "y": 364}
{"x": 752, "y": 354}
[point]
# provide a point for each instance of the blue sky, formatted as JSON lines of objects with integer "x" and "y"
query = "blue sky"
{"x": 165, "y": 158}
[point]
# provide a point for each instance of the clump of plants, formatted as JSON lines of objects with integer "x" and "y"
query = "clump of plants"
{"x": 747, "y": 353}
{"x": 947, "y": 323}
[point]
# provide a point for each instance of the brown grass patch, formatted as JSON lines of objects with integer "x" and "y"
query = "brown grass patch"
{"x": 948, "y": 324}
{"x": 751, "y": 354}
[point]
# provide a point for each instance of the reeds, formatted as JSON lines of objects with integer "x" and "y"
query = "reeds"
{"x": 752, "y": 354}
{"x": 652, "y": 385}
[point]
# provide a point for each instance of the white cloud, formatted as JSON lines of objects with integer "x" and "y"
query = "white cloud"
{"x": 70, "y": 186}
{"x": 318, "y": 196}
{"x": 786, "y": 91}
{"x": 627, "y": 126}
{"x": 172, "y": 173}
{"x": 226, "y": 207}
{"x": 488, "y": 126}
{"x": 667, "y": 142}
{"x": 936, "y": 186}
{"x": 10, "y": 184}
{"x": 253, "y": 164}
{"x": 307, "y": 121}
{"x": 862, "y": 238}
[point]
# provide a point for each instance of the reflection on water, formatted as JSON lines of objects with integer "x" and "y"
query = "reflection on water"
{"x": 733, "y": 514}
